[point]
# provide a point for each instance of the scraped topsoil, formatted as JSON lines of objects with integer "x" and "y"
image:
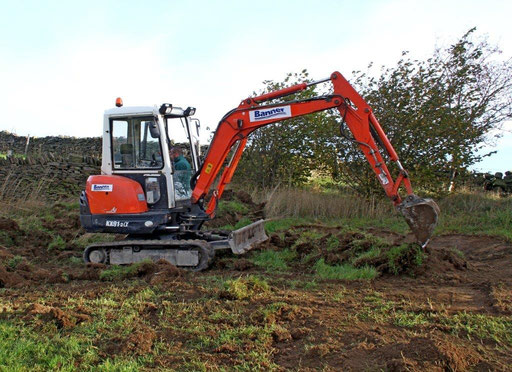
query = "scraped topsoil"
{"x": 463, "y": 262}
{"x": 451, "y": 259}
{"x": 448, "y": 258}
{"x": 331, "y": 326}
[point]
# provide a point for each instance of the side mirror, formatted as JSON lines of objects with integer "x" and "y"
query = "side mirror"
{"x": 154, "y": 130}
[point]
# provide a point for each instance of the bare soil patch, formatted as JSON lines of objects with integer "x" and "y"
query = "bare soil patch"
{"x": 409, "y": 318}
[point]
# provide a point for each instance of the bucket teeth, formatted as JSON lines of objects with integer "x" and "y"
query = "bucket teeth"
{"x": 421, "y": 214}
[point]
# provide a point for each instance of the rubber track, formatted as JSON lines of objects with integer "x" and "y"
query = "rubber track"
{"x": 206, "y": 252}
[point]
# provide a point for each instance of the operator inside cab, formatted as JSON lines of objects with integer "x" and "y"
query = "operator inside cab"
{"x": 180, "y": 163}
{"x": 182, "y": 173}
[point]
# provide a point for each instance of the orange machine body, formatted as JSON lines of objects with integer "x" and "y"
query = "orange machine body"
{"x": 235, "y": 127}
{"x": 115, "y": 195}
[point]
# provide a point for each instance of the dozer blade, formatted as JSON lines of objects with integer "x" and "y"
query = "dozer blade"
{"x": 421, "y": 216}
{"x": 244, "y": 239}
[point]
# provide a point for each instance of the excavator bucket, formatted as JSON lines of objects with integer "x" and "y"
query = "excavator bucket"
{"x": 244, "y": 239}
{"x": 421, "y": 215}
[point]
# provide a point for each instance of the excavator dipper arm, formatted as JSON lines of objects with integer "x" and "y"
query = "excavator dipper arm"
{"x": 235, "y": 127}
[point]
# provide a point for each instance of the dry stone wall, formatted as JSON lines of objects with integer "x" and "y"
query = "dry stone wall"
{"x": 53, "y": 167}
{"x": 40, "y": 146}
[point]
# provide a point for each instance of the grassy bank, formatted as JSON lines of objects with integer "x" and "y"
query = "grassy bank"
{"x": 463, "y": 213}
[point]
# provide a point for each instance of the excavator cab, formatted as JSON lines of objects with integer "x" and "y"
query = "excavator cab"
{"x": 138, "y": 185}
{"x": 137, "y": 142}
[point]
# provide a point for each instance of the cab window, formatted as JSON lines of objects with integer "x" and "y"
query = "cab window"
{"x": 133, "y": 146}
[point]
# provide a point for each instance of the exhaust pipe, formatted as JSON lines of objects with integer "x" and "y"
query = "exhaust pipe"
{"x": 421, "y": 214}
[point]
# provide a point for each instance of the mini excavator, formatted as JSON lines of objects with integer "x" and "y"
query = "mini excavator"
{"x": 162, "y": 209}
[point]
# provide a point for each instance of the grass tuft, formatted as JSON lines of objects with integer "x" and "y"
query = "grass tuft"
{"x": 345, "y": 271}
{"x": 57, "y": 244}
{"x": 14, "y": 262}
{"x": 274, "y": 260}
{"x": 397, "y": 255}
{"x": 243, "y": 288}
{"x": 119, "y": 272}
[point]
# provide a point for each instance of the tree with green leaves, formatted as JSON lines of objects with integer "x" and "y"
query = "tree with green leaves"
{"x": 436, "y": 112}
{"x": 286, "y": 152}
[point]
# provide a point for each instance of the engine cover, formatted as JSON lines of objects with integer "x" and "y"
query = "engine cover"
{"x": 115, "y": 195}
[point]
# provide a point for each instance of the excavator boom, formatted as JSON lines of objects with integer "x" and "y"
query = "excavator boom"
{"x": 235, "y": 127}
{"x": 142, "y": 195}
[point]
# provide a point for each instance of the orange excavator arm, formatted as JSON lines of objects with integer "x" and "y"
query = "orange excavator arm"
{"x": 235, "y": 127}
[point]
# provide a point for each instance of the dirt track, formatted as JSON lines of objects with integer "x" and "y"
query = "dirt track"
{"x": 453, "y": 312}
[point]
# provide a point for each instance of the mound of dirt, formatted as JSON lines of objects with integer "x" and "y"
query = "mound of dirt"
{"x": 139, "y": 342}
{"x": 244, "y": 197}
{"x": 10, "y": 279}
{"x": 40, "y": 238}
{"x": 281, "y": 334}
{"x": 442, "y": 260}
{"x": 164, "y": 272}
{"x": 362, "y": 249}
{"x": 53, "y": 314}
{"x": 21, "y": 274}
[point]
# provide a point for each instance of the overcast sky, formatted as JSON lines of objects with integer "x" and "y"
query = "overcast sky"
{"x": 62, "y": 63}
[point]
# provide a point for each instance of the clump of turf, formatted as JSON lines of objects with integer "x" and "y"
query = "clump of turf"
{"x": 331, "y": 254}
{"x": 244, "y": 288}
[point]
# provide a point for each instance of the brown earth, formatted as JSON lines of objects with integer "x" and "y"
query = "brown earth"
{"x": 480, "y": 282}
{"x": 61, "y": 318}
{"x": 333, "y": 325}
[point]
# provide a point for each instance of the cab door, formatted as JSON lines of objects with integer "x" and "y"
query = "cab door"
{"x": 139, "y": 153}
